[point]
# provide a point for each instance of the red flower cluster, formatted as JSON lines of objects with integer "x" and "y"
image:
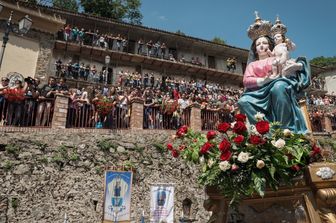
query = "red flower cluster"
{"x": 224, "y": 147}
{"x": 211, "y": 135}
{"x": 175, "y": 152}
{"x": 104, "y": 107}
{"x": 240, "y": 117}
{"x": 182, "y": 131}
{"x": 238, "y": 139}
{"x": 223, "y": 127}
{"x": 263, "y": 127}
{"x": 239, "y": 127}
{"x": 205, "y": 148}
{"x": 315, "y": 151}
{"x": 256, "y": 140}
{"x": 14, "y": 95}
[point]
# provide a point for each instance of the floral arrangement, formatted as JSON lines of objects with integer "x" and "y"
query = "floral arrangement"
{"x": 14, "y": 95}
{"x": 242, "y": 160}
{"x": 104, "y": 106}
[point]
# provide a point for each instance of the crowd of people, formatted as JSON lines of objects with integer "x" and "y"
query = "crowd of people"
{"x": 28, "y": 103}
{"x": 319, "y": 107}
{"x": 166, "y": 100}
{"x": 81, "y": 71}
{"x": 118, "y": 42}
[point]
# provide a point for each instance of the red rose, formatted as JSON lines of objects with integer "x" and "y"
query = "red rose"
{"x": 182, "y": 131}
{"x": 239, "y": 127}
{"x": 239, "y": 139}
{"x": 205, "y": 148}
{"x": 295, "y": 167}
{"x": 211, "y": 134}
{"x": 224, "y": 145}
{"x": 182, "y": 147}
{"x": 223, "y": 127}
{"x": 255, "y": 140}
{"x": 240, "y": 117}
{"x": 175, "y": 153}
{"x": 225, "y": 155}
{"x": 315, "y": 151}
{"x": 263, "y": 127}
{"x": 170, "y": 146}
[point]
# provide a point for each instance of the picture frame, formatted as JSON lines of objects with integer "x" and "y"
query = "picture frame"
{"x": 117, "y": 196}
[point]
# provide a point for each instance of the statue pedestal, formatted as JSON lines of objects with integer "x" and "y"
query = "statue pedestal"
{"x": 310, "y": 200}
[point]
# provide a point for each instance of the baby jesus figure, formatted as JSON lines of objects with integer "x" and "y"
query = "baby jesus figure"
{"x": 282, "y": 64}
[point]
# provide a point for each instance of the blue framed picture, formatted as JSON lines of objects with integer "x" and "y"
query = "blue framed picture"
{"x": 117, "y": 196}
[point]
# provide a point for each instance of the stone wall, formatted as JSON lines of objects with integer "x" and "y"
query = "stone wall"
{"x": 45, "y": 174}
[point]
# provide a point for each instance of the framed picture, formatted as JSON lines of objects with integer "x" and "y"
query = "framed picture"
{"x": 117, "y": 197}
{"x": 162, "y": 204}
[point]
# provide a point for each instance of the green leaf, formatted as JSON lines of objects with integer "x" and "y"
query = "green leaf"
{"x": 272, "y": 171}
{"x": 259, "y": 184}
{"x": 195, "y": 156}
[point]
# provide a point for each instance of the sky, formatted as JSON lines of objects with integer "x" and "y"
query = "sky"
{"x": 311, "y": 24}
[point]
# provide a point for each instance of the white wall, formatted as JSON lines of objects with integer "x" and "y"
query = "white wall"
{"x": 20, "y": 56}
{"x": 330, "y": 78}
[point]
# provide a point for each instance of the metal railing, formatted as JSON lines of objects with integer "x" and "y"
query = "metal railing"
{"x": 84, "y": 115}
{"x": 27, "y": 113}
{"x": 211, "y": 118}
{"x": 157, "y": 118}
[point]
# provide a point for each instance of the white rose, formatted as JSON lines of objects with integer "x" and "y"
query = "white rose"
{"x": 287, "y": 132}
{"x": 259, "y": 116}
{"x": 260, "y": 164}
{"x": 243, "y": 157}
{"x": 279, "y": 143}
{"x": 224, "y": 165}
{"x": 232, "y": 124}
{"x": 201, "y": 160}
{"x": 210, "y": 162}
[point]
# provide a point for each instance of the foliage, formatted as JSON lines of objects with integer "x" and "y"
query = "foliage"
{"x": 218, "y": 40}
{"x": 122, "y": 10}
{"x": 8, "y": 165}
{"x": 105, "y": 145}
{"x": 15, "y": 203}
{"x": 71, "y": 5}
{"x": 242, "y": 159}
{"x": 179, "y": 32}
{"x": 324, "y": 61}
{"x": 13, "y": 149}
{"x": 74, "y": 156}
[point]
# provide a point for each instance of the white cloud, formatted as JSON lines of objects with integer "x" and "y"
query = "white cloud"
{"x": 162, "y": 17}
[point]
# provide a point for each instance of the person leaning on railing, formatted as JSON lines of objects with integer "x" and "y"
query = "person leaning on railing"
{"x": 3, "y": 105}
{"x": 45, "y": 102}
{"x": 31, "y": 94}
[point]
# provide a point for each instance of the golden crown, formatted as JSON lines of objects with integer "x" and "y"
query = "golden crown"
{"x": 278, "y": 28}
{"x": 259, "y": 28}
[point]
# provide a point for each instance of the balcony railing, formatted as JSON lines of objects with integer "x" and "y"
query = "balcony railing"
{"x": 28, "y": 112}
{"x": 99, "y": 54}
{"x": 60, "y": 113}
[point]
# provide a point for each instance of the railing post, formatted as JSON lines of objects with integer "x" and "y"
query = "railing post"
{"x": 60, "y": 111}
{"x": 327, "y": 123}
{"x": 195, "y": 117}
{"x": 304, "y": 110}
{"x": 137, "y": 113}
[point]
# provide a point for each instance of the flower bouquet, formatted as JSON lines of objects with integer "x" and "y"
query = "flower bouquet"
{"x": 104, "y": 106}
{"x": 14, "y": 95}
{"x": 242, "y": 160}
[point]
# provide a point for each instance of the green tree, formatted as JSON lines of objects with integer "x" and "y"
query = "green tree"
{"x": 180, "y": 33}
{"x": 122, "y": 10}
{"x": 71, "y": 5}
{"x": 218, "y": 40}
{"x": 324, "y": 61}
